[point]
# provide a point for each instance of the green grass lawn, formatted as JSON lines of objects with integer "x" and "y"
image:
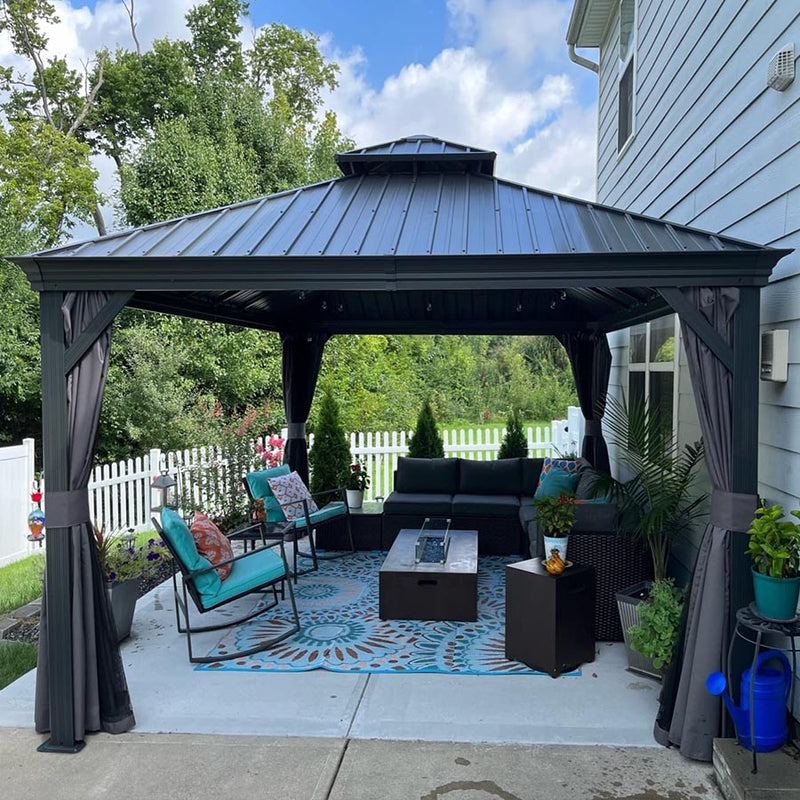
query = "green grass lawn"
{"x": 21, "y": 582}
{"x": 16, "y": 658}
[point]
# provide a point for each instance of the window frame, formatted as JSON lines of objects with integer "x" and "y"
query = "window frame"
{"x": 630, "y": 61}
{"x": 648, "y": 367}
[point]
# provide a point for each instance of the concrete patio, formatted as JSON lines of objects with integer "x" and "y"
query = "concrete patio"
{"x": 605, "y": 705}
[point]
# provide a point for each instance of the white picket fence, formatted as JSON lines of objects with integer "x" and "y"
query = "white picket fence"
{"x": 16, "y": 484}
{"x": 120, "y": 496}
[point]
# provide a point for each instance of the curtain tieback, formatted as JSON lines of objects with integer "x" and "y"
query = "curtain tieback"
{"x": 592, "y": 427}
{"x": 296, "y": 430}
{"x": 65, "y": 509}
{"x": 732, "y": 510}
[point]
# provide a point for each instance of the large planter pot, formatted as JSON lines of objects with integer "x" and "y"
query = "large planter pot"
{"x": 628, "y": 601}
{"x": 123, "y": 596}
{"x": 355, "y": 498}
{"x": 776, "y": 598}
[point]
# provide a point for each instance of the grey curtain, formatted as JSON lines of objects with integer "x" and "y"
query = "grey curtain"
{"x": 590, "y": 357}
{"x": 302, "y": 359}
{"x": 100, "y": 692}
{"x": 689, "y": 716}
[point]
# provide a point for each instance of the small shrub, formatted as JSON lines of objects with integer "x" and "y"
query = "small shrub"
{"x": 515, "y": 443}
{"x": 329, "y": 458}
{"x": 659, "y": 616}
{"x": 426, "y": 441}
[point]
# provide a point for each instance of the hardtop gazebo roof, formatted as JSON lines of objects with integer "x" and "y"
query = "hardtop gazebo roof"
{"x": 417, "y": 236}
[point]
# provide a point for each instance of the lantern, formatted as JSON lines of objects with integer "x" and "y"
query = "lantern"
{"x": 167, "y": 488}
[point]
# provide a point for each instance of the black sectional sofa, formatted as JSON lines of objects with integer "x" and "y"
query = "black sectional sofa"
{"x": 496, "y": 499}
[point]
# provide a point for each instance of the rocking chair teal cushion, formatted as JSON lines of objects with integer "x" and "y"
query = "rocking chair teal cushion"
{"x": 259, "y": 567}
{"x": 182, "y": 541}
{"x": 335, "y": 509}
{"x": 258, "y": 483}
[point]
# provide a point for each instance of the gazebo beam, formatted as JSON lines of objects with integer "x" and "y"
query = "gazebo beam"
{"x": 95, "y": 328}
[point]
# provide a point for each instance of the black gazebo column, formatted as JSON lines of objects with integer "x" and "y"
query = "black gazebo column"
{"x": 58, "y": 581}
{"x": 302, "y": 359}
{"x": 744, "y": 455}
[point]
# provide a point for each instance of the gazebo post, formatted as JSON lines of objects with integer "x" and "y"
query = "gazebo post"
{"x": 58, "y": 581}
{"x": 744, "y": 454}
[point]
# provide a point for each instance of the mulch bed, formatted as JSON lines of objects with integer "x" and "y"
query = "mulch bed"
{"x": 28, "y": 629}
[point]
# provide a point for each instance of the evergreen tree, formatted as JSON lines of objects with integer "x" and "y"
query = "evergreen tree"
{"x": 515, "y": 443}
{"x": 426, "y": 442}
{"x": 329, "y": 458}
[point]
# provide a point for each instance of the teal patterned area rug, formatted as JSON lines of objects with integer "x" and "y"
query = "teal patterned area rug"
{"x": 341, "y": 631}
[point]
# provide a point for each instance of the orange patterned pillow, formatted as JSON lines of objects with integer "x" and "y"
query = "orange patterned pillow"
{"x": 211, "y": 543}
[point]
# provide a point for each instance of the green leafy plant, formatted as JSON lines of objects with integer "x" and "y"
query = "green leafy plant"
{"x": 774, "y": 542}
{"x": 121, "y": 559}
{"x": 358, "y": 478}
{"x": 658, "y": 501}
{"x": 515, "y": 443}
{"x": 426, "y": 441}
{"x": 555, "y": 516}
{"x": 329, "y": 458}
{"x": 659, "y": 616}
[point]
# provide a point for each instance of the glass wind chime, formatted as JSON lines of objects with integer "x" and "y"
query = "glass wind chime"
{"x": 36, "y": 517}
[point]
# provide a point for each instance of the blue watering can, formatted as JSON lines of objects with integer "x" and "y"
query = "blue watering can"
{"x": 770, "y": 693}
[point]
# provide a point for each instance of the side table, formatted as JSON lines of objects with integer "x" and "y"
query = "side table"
{"x": 550, "y": 620}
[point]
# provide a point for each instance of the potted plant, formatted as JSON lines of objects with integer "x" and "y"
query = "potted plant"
{"x": 657, "y": 500}
{"x": 357, "y": 483}
{"x": 124, "y": 564}
{"x": 774, "y": 547}
{"x": 555, "y": 518}
{"x": 653, "y": 636}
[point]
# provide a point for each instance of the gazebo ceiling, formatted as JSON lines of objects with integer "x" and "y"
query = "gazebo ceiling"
{"x": 417, "y": 236}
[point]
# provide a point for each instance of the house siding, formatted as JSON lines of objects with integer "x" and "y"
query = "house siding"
{"x": 717, "y": 149}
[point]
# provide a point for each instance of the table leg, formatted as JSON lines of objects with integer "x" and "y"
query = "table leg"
{"x": 752, "y": 708}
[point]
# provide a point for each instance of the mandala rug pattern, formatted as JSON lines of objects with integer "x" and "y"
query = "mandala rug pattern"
{"x": 342, "y": 632}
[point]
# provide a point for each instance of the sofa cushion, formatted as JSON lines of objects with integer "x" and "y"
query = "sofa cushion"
{"x": 490, "y": 477}
{"x": 557, "y": 481}
{"x": 531, "y": 469}
{"x": 488, "y": 505}
{"x": 420, "y": 475}
{"x": 586, "y": 488}
{"x": 418, "y": 503}
{"x": 589, "y": 517}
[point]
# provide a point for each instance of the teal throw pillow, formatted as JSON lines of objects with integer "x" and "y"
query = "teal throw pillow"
{"x": 557, "y": 481}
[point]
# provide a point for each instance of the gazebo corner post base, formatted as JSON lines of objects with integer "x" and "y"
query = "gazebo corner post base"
{"x": 49, "y": 746}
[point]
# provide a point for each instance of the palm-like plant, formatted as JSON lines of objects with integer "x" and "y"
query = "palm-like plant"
{"x": 656, "y": 500}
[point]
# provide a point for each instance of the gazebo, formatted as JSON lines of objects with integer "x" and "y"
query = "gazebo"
{"x": 417, "y": 236}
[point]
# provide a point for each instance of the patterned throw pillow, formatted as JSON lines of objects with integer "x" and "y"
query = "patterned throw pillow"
{"x": 211, "y": 543}
{"x": 570, "y": 465}
{"x": 290, "y": 492}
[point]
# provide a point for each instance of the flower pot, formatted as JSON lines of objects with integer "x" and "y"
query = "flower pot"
{"x": 555, "y": 543}
{"x": 776, "y": 598}
{"x": 355, "y": 498}
{"x": 628, "y": 601}
{"x": 123, "y": 596}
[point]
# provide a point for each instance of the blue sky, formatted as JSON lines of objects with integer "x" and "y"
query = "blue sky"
{"x": 489, "y": 73}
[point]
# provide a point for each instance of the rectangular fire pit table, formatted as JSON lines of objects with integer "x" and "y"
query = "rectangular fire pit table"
{"x": 430, "y": 591}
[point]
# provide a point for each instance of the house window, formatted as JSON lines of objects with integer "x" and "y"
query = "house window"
{"x": 627, "y": 54}
{"x": 652, "y": 369}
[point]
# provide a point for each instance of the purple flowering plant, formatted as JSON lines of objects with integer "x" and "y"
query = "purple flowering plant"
{"x": 124, "y": 556}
